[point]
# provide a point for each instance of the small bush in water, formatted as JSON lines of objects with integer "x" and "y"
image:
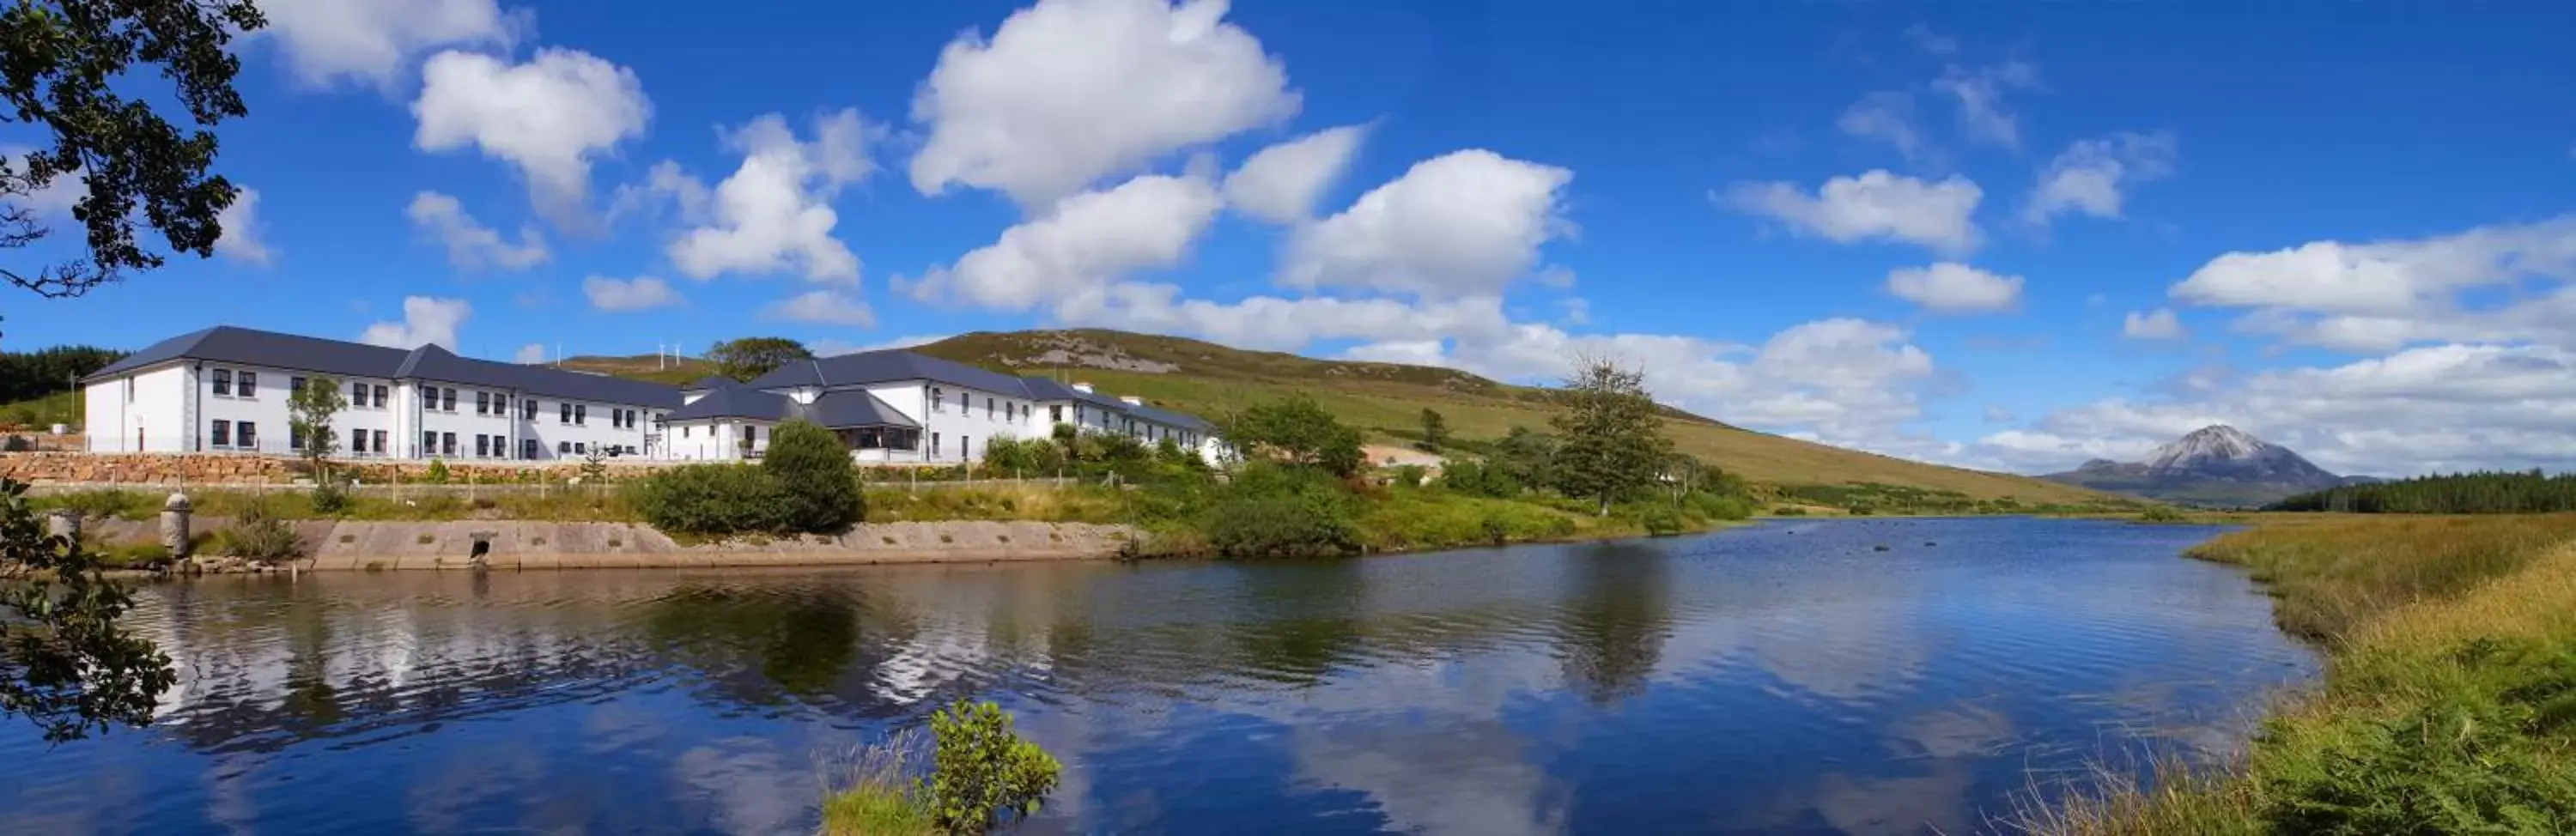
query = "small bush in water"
{"x": 983, "y": 771}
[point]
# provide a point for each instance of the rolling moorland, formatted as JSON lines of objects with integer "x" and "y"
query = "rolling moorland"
{"x": 1385, "y": 400}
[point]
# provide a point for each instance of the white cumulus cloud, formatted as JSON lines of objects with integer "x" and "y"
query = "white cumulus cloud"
{"x": 375, "y": 41}
{"x": 1877, "y": 205}
{"x": 1281, "y": 183}
{"x": 1083, "y": 245}
{"x": 1886, "y": 116}
{"x": 775, "y": 212}
{"x": 242, "y": 232}
{"x": 2093, "y": 175}
{"x": 1461, "y": 224}
{"x": 549, "y": 117}
{"x": 1979, "y": 95}
{"x": 1953, "y": 287}
{"x": 470, "y": 244}
{"x": 2381, "y": 295}
{"x": 635, "y": 294}
{"x": 828, "y": 307}
{"x": 426, "y": 321}
{"x": 2158, "y": 324}
{"x": 1068, "y": 92}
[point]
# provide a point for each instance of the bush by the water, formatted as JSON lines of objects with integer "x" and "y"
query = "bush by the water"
{"x": 1282, "y": 512}
{"x": 803, "y": 485}
{"x": 258, "y": 533}
{"x": 817, "y": 488}
{"x": 984, "y": 773}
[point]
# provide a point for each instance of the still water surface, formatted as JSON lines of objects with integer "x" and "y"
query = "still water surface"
{"x": 1783, "y": 678}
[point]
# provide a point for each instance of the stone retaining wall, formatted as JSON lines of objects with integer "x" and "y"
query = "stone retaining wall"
{"x": 220, "y": 469}
{"x": 527, "y": 544}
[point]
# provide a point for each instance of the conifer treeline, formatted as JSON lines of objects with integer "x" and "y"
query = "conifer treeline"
{"x": 2485, "y": 492}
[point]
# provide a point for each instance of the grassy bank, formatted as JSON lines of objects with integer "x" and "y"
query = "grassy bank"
{"x": 2448, "y": 704}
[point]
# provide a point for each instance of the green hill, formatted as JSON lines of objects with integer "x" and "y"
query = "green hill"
{"x": 1387, "y": 399}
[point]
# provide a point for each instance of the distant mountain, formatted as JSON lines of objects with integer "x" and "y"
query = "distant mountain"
{"x": 2214, "y": 465}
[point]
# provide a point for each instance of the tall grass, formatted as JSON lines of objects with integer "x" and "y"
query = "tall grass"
{"x": 870, "y": 791}
{"x": 2449, "y": 699}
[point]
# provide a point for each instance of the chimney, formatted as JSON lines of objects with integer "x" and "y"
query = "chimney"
{"x": 1082, "y": 387}
{"x": 1132, "y": 400}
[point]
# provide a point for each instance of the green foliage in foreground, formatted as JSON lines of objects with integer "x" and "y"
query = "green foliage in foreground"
{"x": 65, "y": 662}
{"x": 983, "y": 772}
{"x": 2449, "y": 700}
{"x": 2460, "y": 493}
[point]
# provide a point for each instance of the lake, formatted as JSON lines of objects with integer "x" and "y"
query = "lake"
{"x": 1789, "y": 677}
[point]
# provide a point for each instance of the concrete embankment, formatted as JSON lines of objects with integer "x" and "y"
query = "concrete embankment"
{"x": 529, "y": 544}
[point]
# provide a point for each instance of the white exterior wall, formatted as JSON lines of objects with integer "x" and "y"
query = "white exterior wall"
{"x": 140, "y": 412}
{"x": 714, "y": 440}
{"x": 962, "y": 430}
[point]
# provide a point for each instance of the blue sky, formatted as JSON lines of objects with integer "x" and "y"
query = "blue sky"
{"x": 2010, "y": 236}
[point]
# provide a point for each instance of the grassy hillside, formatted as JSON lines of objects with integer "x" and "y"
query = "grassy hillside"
{"x": 644, "y": 367}
{"x": 1387, "y": 399}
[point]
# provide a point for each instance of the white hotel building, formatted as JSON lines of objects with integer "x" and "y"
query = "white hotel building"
{"x": 224, "y": 389}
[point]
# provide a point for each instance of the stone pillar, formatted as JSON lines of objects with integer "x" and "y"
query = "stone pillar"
{"x": 174, "y": 526}
{"x": 64, "y": 524}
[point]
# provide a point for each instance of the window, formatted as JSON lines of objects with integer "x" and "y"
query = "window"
{"x": 428, "y": 443}
{"x": 249, "y": 385}
{"x": 357, "y": 394}
{"x": 528, "y": 447}
{"x": 246, "y": 436}
{"x": 580, "y": 448}
{"x": 295, "y": 385}
{"x": 379, "y": 439}
{"x": 357, "y": 441}
{"x": 482, "y": 445}
{"x": 223, "y": 433}
{"x": 294, "y": 436}
{"x": 684, "y": 430}
{"x": 566, "y": 418}
{"x": 965, "y": 402}
{"x": 935, "y": 447}
{"x": 448, "y": 401}
{"x": 224, "y": 382}
{"x": 1055, "y": 414}
{"x": 580, "y": 413}
{"x": 380, "y": 401}
{"x": 447, "y": 441}
{"x": 529, "y": 410}
{"x": 562, "y": 447}
{"x": 988, "y": 409}
{"x": 482, "y": 403}
{"x": 965, "y": 447}
{"x": 938, "y": 400}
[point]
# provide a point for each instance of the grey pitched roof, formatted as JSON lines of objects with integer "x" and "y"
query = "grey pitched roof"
{"x": 262, "y": 348}
{"x": 431, "y": 362}
{"x": 734, "y": 400}
{"x": 713, "y": 381}
{"x": 1168, "y": 417}
{"x": 1042, "y": 389}
{"x": 228, "y": 344}
{"x": 833, "y": 409}
{"x": 889, "y": 365}
{"x": 853, "y": 409}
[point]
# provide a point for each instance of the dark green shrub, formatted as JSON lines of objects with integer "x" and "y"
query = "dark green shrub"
{"x": 1478, "y": 479}
{"x": 331, "y": 497}
{"x": 715, "y": 499}
{"x": 1271, "y": 512}
{"x": 2160, "y": 514}
{"x": 437, "y": 473}
{"x": 816, "y": 487}
{"x": 1660, "y": 521}
{"x": 983, "y": 771}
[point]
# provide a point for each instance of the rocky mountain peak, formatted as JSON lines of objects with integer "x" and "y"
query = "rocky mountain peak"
{"x": 2213, "y": 444}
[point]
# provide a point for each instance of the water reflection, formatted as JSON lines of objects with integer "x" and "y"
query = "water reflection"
{"x": 1787, "y": 678}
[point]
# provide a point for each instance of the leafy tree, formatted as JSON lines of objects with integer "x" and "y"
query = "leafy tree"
{"x": 65, "y": 662}
{"x": 751, "y": 357}
{"x": 1296, "y": 431}
{"x": 1611, "y": 444}
{"x": 818, "y": 489}
{"x": 63, "y": 65}
{"x": 309, "y": 412}
{"x": 1435, "y": 430}
{"x": 1524, "y": 458}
